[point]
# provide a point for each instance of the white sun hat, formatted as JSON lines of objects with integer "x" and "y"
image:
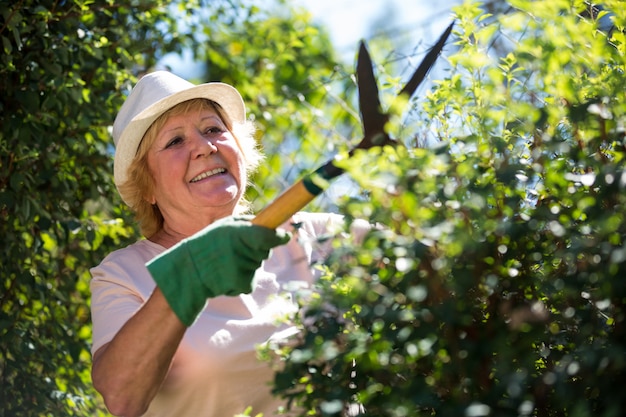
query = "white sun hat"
{"x": 154, "y": 94}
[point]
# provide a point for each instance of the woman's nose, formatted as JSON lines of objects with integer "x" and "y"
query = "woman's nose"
{"x": 203, "y": 146}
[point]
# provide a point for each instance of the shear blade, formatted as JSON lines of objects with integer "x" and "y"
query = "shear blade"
{"x": 426, "y": 64}
{"x": 372, "y": 115}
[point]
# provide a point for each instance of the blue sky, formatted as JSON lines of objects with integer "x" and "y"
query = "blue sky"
{"x": 349, "y": 21}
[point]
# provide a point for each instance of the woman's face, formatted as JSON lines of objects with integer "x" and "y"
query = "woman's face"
{"x": 198, "y": 170}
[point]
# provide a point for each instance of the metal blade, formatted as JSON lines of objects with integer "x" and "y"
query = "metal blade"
{"x": 426, "y": 64}
{"x": 372, "y": 115}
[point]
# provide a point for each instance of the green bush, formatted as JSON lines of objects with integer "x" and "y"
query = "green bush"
{"x": 60, "y": 64}
{"x": 497, "y": 286}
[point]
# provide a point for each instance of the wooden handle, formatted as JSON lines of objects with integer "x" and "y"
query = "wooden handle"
{"x": 286, "y": 205}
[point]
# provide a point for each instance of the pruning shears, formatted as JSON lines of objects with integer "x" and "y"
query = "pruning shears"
{"x": 374, "y": 134}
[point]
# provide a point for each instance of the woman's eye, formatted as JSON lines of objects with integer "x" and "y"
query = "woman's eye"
{"x": 213, "y": 130}
{"x": 174, "y": 141}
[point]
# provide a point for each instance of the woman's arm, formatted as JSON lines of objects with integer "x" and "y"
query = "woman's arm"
{"x": 129, "y": 370}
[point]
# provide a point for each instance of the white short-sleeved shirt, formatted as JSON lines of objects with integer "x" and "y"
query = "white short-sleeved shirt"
{"x": 215, "y": 371}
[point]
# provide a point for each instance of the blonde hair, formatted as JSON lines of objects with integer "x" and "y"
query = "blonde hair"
{"x": 140, "y": 183}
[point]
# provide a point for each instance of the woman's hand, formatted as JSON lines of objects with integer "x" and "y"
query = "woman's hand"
{"x": 219, "y": 260}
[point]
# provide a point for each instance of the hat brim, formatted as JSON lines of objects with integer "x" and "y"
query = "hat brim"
{"x": 225, "y": 95}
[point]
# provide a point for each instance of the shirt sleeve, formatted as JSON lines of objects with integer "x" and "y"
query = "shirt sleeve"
{"x": 119, "y": 287}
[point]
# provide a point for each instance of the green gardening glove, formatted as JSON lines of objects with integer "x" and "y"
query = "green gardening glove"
{"x": 219, "y": 260}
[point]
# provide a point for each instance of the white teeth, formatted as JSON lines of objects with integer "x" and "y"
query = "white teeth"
{"x": 208, "y": 174}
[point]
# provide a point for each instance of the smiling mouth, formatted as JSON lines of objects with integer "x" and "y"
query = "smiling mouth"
{"x": 208, "y": 174}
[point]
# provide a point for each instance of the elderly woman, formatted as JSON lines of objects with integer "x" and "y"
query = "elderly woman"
{"x": 177, "y": 316}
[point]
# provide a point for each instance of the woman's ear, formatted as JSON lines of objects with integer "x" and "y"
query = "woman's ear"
{"x": 150, "y": 199}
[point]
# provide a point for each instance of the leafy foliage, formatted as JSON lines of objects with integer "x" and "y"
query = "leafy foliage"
{"x": 496, "y": 286}
{"x": 60, "y": 63}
